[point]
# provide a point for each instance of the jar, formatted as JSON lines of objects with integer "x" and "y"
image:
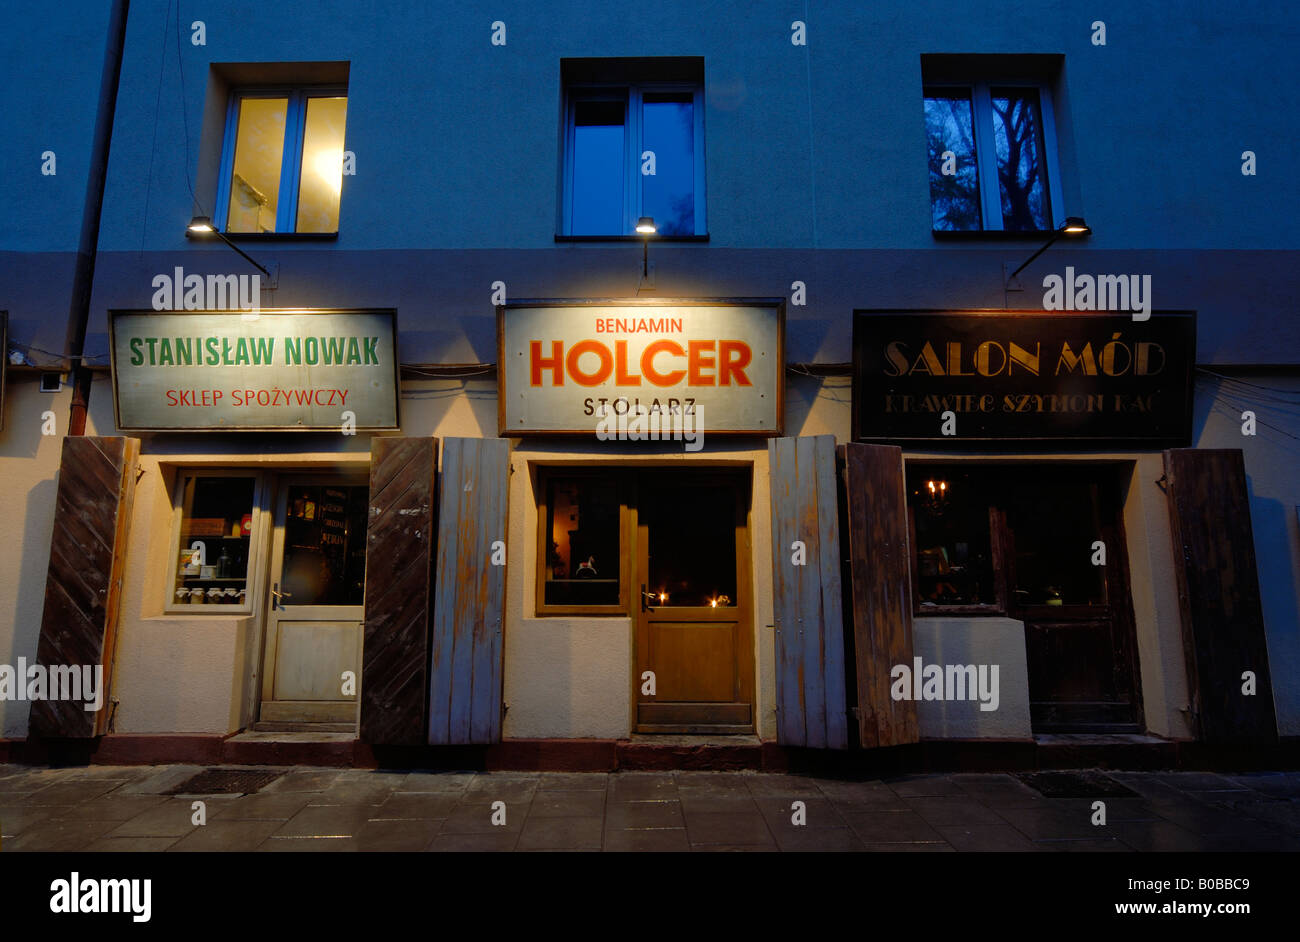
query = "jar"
{"x": 230, "y": 596}
{"x": 214, "y": 595}
{"x": 181, "y": 595}
{"x": 241, "y": 596}
{"x": 196, "y": 596}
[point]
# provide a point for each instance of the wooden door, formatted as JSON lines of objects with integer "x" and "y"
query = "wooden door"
{"x": 693, "y": 612}
{"x": 315, "y": 604}
{"x": 1079, "y": 633}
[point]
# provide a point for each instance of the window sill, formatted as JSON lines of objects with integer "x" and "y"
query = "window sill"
{"x": 630, "y": 238}
{"x": 993, "y": 235}
{"x": 271, "y": 236}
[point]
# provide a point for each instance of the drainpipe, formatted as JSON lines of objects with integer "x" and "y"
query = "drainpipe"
{"x": 84, "y": 276}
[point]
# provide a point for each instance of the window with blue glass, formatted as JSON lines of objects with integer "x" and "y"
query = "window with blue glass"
{"x": 282, "y": 161}
{"x": 632, "y": 151}
{"x": 992, "y": 158}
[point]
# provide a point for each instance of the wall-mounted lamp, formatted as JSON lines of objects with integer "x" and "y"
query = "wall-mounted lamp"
{"x": 646, "y": 227}
{"x": 201, "y": 227}
{"x": 1074, "y": 227}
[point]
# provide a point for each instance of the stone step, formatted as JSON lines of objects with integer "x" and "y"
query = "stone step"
{"x": 282, "y": 726}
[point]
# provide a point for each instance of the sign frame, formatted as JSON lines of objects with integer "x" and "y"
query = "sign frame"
{"x": 4, "y": 364}
{"x": 391, "y": 314}
{"x": 938, "y": 442}
{"x": 777, "y": 304}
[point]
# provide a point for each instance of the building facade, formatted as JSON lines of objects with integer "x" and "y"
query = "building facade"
{"x": 455, "y": 454}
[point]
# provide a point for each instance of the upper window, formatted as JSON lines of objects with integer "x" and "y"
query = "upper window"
{"x": 282, "y": 161}
{"x": 992, "y": 156}
{"x": 634, "y": 150}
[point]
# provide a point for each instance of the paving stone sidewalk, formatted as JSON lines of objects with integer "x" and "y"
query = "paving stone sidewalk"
{"x": 124, "y": 808}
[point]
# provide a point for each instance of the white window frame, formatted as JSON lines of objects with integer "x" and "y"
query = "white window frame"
{"x": 295, "y": 123}
{"x": 255, "y": 560}
{"x": 633, "y": 97}
{"x": 986, "y": 157}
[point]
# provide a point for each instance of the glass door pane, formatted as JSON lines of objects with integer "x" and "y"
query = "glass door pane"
{"x": 692, "y": 545}
{"x": 325, "y": 544}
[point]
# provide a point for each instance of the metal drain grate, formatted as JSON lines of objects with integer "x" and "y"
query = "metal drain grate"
{"x": 1076, "y": 785}
{"x": 224, "y": 782}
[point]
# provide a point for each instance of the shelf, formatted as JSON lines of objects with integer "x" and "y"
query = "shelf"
{"x": 214, "y": 579}
{"x": 214, "y": 536}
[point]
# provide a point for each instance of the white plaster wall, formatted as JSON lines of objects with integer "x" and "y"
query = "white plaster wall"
{"x": 568, "y": 677}
{"x": 29, "y": 464}
{"x": 989, "y": 641}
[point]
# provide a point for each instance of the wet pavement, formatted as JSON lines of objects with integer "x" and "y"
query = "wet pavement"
{"x": 125, "y": 808}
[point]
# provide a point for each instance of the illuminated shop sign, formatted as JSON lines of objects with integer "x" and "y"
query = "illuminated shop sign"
{"x": 565, "y": 364}
{"x": 949, "y": 378}
{"x": 276, "y": 370}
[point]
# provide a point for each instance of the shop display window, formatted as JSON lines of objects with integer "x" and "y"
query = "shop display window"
{"x": 1009, "y": 539}
{"x": 213, "y": 541}
{"x": 584, "y": 533}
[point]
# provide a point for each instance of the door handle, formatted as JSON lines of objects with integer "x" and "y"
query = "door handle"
{"x": 646, "y": 595}
{"x": 277, "y": 596}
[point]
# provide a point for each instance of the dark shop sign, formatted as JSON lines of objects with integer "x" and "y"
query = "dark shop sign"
{"x": 1022, "y": 375}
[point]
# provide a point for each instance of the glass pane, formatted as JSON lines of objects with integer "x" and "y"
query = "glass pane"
{"x": 1054, "y": 526}
{"x": 321, "y": 180}
{"x": 1022, "y": 167}
{"x": 325, "y": 545}
{"x": 582, "y": 563}
{"x": 954, "y": 181}
{"x": 259, "y": 151}
{"x": 668, "y": 195}
{"x": 596, "y": 197}
{"x": 216, "y": 529}
{"x": 954, "y": 560}
{"x": 692, "y": 531}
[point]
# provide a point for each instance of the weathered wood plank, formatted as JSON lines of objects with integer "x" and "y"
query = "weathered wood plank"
{"x": 879, "y": 567}
{"x": 465, "y": 693}
{"x": 809, "y": 613}
{"x": 443, "y": 634}
{"x": 399, "y": 593}
{"x": 84, "y": 581}
{"x": 832, "y": 595}
{"x": 807, "y": 598}
{"x": 1218, "y": 590}
{"x": 493, "y": 487}
{"x": 785, "y": 591}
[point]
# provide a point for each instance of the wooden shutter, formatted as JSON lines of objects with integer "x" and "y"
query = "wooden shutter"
{"x": 465, "y": 681}
{"x": 399, "y": 590}
{"x": 83, "y": 586}
{"x": 807, "y": 600}
{"x": 875, "y": 511}
{"x": 1218, "y": 592}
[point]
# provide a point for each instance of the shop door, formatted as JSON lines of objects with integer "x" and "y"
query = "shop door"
{"x": 314, "y": 607}
{"x": 1078, "y": 615}
{"x": 694, "y": 609}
